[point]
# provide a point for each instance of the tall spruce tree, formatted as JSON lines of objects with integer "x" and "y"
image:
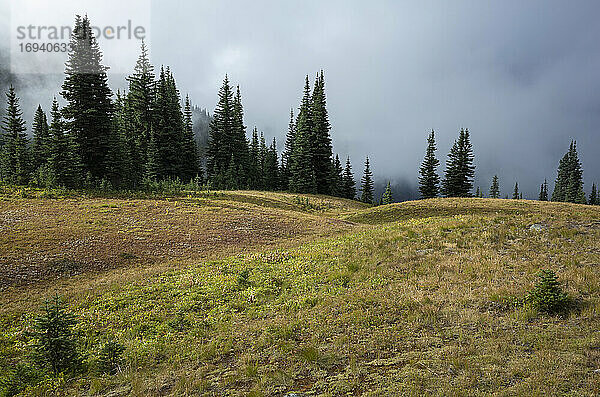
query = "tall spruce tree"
{"x": 367, "y": 184}
{"x": 460, "y": 171}
{"x": 495, "y": 188}
{"x": 254, "y": 169}
{"x": 387, "y": 197}
{"x": 515, "y": 195}
{"x": 89, "y": 108}
{"x": 575, "y": 193}
{"x": 239, "y": 147}
{"x": 139, "y": 110}
{"x": 562, "y": 179}
{"x": 41, "y": 138}
{"x": 15, "y": 159}
{"x": 349, "y": 185}
{"x": 320, "y": 139}
{"x": 428, "y": 179}
{"x": 569, "y": 181}
{"x": 168, "y": 127}
{"x": 220, "y": 134}
{"x": 287, "y": 151}
{"x": 593, "y": 196}
{"x": 302, "y": 176}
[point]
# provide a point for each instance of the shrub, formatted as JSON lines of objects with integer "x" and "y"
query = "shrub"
{"x": 44, "y": 177}
{"x": 111, "y": 356}
{"x": 547, "y": 295}
{"x": 53, "y": 340}
{"x": 18, "y": 379}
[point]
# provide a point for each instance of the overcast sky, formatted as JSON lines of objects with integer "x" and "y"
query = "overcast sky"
{"x": 522, "y": 76}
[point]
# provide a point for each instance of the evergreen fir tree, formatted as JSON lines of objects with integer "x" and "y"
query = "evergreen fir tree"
{"x": 575, "y": 192}
{"x": 132, "y": 165}
{"x": 477, "y": 192}
{"x": 460, "y": 171}
{"x": 429, "y": 180}
{"x": 89, "y": 109}
{"x": 168, "y": 127}
{"x": 569, "y": 181}
{"x": 139, "y": 111}
{"x": 54, "y": 338}
{"x": 387, "y": 197}
{"x": 239, "y": 147}
{"x": 320, "y": 139}
{"x": 338, "y": 186}
{"x": 15, "y": 159}
{"x": 349, "y": 185}
{"x": 117, "y": 165}
{"x": 41, "y": 138}
{"x": 152, "y": 169}
{"x": 255, "y": 162}
{"x": 64, "y": 154}
{"x": 495, "y": 188}
{"x": 544, "y": 191}
{"x": 562, "y": 180}
{"x": 515, "y": 195}
{"x": 302, "y": 176}
{"x": 271, "y": 168}
{"x": 367, "y": 184}
{"x": 593, "y": 196}
{"x": 287, "y": 152}
{"x": 221, "y": 131}
{"x": 231, "y": 177}
{"x": 262, "y": 161}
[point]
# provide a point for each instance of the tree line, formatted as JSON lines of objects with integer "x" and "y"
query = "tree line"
{"x": 124, "y": 141}
{"x": 460, "y": 173}
{"x": 95, "y": 139}
{"x": 130, "y": 139}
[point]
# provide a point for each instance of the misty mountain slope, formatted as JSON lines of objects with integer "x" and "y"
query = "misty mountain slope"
{"x": 427, "y": 301}
{"x": 201, "y": 120}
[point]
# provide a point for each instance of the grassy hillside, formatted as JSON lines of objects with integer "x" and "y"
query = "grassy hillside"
{"x": 61, "y": 237}
{"x": 323, "y": 298}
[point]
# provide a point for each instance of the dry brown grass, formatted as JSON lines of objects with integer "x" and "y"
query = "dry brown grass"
{"x": 43, "y": 239}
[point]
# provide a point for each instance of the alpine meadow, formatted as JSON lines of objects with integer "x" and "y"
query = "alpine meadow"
{"x": 288, "y": 242}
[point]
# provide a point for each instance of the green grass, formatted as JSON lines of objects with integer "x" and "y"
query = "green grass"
{"x": 408, "y": 299}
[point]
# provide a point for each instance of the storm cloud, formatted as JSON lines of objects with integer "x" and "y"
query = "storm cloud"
{"x": 522, "y": 76}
